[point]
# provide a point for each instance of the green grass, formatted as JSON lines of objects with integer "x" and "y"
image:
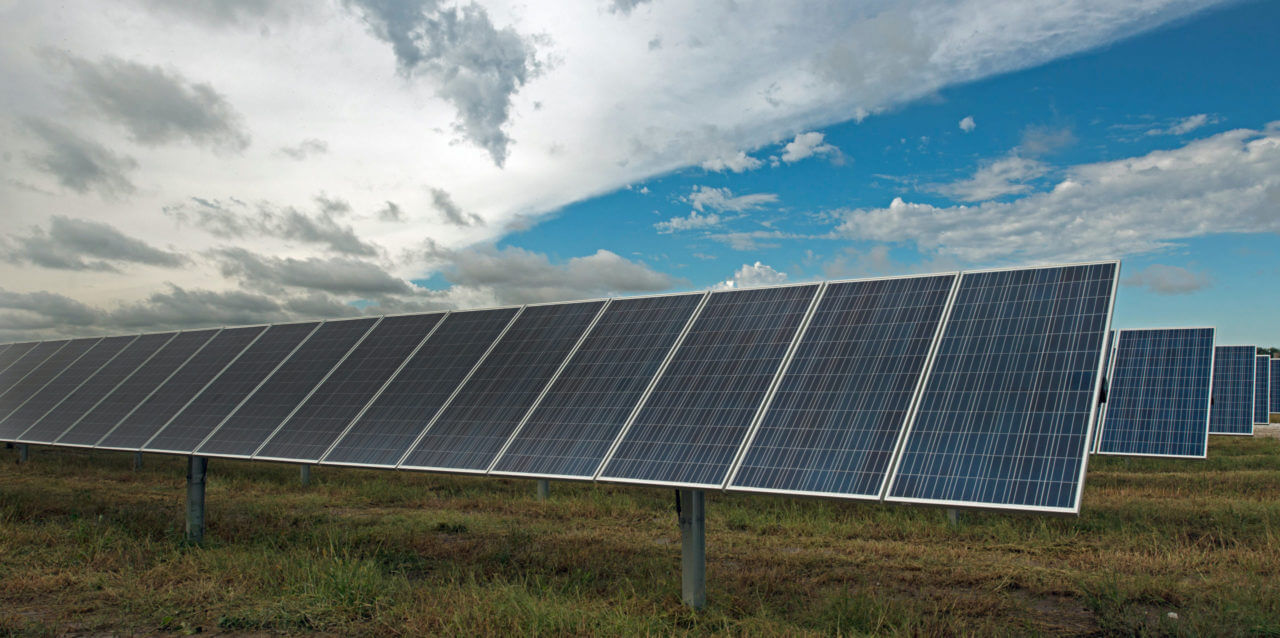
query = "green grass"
{"x": 88, "y": 546}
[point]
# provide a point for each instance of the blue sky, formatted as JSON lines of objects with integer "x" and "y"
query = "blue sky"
{"x": 174, "y": 165}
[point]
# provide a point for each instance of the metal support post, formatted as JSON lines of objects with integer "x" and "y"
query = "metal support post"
{"x": 23, "y": 453}
{"x": 196, "y": 467}
{"x": 953, "y": 516}
{"x": 693, "y": 547}
{"x": 305, "y": 475}
{"x": 544, "y": 489}
{"x": 137, "y": 461}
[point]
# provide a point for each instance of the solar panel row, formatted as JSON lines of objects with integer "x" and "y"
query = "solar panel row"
{"x": 1275, "y": 385}
{"x": 976, "y": 389}
{"x": 1234, "y": 369}
{"x": 1262, "y": 390}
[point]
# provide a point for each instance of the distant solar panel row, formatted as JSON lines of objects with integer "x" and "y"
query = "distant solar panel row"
{"x": 1234, "y": 370}
{"x": 1275, "y": 385}
{"x": 975, "y": 389}
{"x": 1262, "y": 390}
{"x": 1158, "y": 404}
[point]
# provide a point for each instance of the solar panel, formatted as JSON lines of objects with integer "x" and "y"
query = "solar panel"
{"x": 393, "y": 421}
{"x": 58, "y": 420}
{"x": 1262, "y": 391}
{"x": 833, "y": 424}
{"x": 471, "y": 429}
{"x": 241, "y": 433}
{"x": 695, "y": 419}
{"x": 1159, "y": 399}
{"x": 568, "y": 434}
{"x": 318, "y": 422}
{"x": 1234, "y": 369}
{"x": 14, "y": 352}
{"x": 179, "y": 389}
{"x": 1275, "y": 385}
{"x": 1007, "y": 408}
{"x": 191, "y": 425}
{"x": 134, "y": 389}
{"x": 44, "y": 373}
{"x": 30, "y": 361}
{"x": 62, "y": 386}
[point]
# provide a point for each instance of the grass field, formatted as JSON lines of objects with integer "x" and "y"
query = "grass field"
{"x": 89, "y": 547}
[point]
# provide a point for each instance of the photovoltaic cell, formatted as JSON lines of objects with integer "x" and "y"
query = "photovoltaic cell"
{"x": 252, "y": 423}
{"x": 1159, "y": 399}
{"x": 1262, "y": 390}
{"x": 194, "y": 422}
{"x": 134, "y": 389}
{"x": 1234, "y": 369}
{"x": 1275, "y": 385}
{"x": 320, "y": 421}
{"x": 576, "y": 423}
{"x": 693, "y": 423}
{"x": 44, "y": 373}
{"x": 58, "y": 420}
{"x": 1106, "y": 389}
{"x": 13, "y": 353}
{"x": 391, "y": 424}
{"x": 1007, "y": 407}
{"x": 30, "y": 361}
{"x": 62, "y": 386}
{"x": 834, "y": 422}
{"x": 183, "y": 386}
{"x": 473, "y": 427}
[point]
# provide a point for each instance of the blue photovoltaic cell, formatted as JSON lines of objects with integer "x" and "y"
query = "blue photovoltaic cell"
{"x": 320, "y": 421}
{"x": 252, "y": 423}
{"x": 473, "y": 427}
{"x": 96, "y": 423}
{"x": 29, "y": 385}
{"x": 1262, "y": 390}
{"x": 58, "y": 420}
{"x": 838, "y": 413}
{"x": 28, "y": 362}
{"x": 574, "y": 425}
{"x": 1234, "y": 368}
{"x": 1275, "y": 385}
{"x": 1106, "y": 388}
{"x": 192, "y": 377}
{"x": 193, "y": 423}
{"x": 394, "y": 420}
{"x": 694, "y": 421}
{"x": 1159, "y": 398}
{"x": 1006, "y": 409}
{"x": 14, "y": 352}
{"x": 61, "y": 386}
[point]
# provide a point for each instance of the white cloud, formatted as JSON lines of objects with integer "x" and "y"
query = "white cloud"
{"x": 1184, "y": 125}
{"x": 967, "y": 124}
{"x": 722, "y": 199}
{"x": 1226, "y": 183}
{"x": 1005, "y": 176}
{"x": 807, "y": 145}
{"x": 1162, "y": 279}
{"x": 737, "y": 163}
{"x": 693, "y": 221}
{"x": 750, "y": 275}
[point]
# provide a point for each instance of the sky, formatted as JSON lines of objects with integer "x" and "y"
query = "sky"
{"x": 220, "y": 162}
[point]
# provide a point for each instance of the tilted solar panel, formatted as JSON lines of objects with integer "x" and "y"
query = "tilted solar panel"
{"x": 1159, "y": 399}
{"x": 42, "y": 374}
{"x": 568, "y": 434}
{"x": 179, "y": 389}
{"x": 30, "y": 361}
{"x": 1234, "y": 369}
{"x": 833, "y": 424}
{"x": 191, "y": 425}
{"x": 68, "y": 412}
{"x": 695, "y": 419}
{"x": 135, "y": 389}
{"x": 245, "y": 430}
{"x": 1262, "y": 390}
{"x": 1008, "y": 404}
{"x": 62, "y": 386}
{"x": 472, "y": 428}
{"x": 13, "y": 353}
{"x": 1275, "y": 385}
{"x": 318, "y": 422}
{"x": 383, "y": 433}
{"x": 1106, "y": 389}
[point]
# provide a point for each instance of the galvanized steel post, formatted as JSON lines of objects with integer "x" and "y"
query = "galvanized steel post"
{"x": 544, "y": 489}
{"x": 305, "y": 475}
{"x": 693, "y": 547}
{"x": 137, "y": 461}
{"x": 23, "y": 453}
{"x": 196, "y": 467}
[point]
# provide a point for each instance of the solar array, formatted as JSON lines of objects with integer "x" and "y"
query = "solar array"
{"x": 1262, "y": 390}
{"x": 1158, "y": 403}
{"x": 976, "y": 389}
{"x": 1234, "y": 372}
{"x": 1275, "y": 385}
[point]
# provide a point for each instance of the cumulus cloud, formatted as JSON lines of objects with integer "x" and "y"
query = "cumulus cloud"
{"x": 21, "y": 312}
{"x": 80, "y": 164}
{"x": 807, "y": 145}
{"x": 309, "y": 147}
{"x": 225, "y": 13}
{"x": 155, "y": 105}
{"x": 738, "y": 162}
{"x": 704, "y": 198}
{"x": 1226, "y": 183}
{"x": 234, "y": 219}
{"x": 967, "y": 124}
{"x": 751, "y": 275}
{"x": 1162, "y": 279}
{"x": 693, "y": 221}
{"x": 391, "y": 213}
{"x": 79, "y": 244}
{"x": 473, "y": 65}
{"x": 335, "y": 275}
{"x": 1005, "y": 176}
{"x": 450, "y": 212}
{"x": 625, "y": 7}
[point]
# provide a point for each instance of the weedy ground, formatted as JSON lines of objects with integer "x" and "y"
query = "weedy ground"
{"x": 89, "y": 547}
